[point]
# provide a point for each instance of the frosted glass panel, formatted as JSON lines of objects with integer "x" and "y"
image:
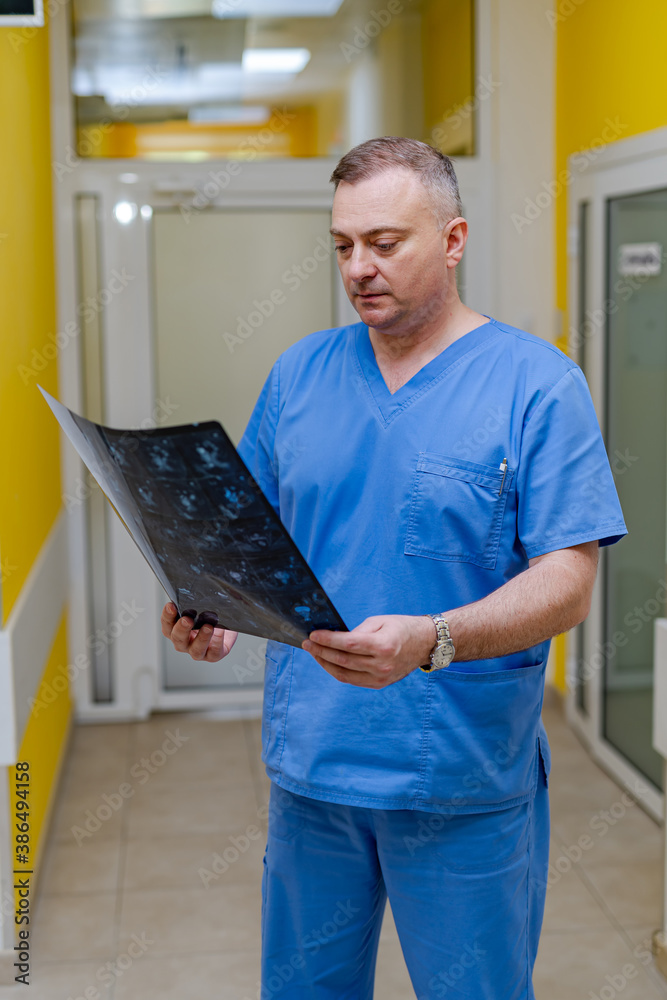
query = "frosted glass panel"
{"x": 232, "y": 291}
{"x": 192, "y": 80}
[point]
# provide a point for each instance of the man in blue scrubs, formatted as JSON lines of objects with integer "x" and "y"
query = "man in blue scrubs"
{"x": 444, "y": 475}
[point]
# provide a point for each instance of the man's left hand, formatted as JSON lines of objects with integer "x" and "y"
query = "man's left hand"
{"x": 380, "y": 651}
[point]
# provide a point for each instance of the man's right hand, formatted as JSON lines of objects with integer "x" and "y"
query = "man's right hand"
{"x": 206, "y": 643}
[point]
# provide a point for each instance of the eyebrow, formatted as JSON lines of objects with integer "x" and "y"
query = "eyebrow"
{"x": 375, "y": 231}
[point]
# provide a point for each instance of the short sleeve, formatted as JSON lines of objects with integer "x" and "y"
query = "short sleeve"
{"x": 256, "y": 447}
{"x": 565, "y": 488}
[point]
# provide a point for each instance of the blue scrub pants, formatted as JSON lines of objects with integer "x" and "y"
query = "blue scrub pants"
{"x": 467, "y": 894}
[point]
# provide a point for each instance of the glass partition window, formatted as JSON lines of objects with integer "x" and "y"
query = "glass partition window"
{"x": 199, "y": 79}
{"x": 637, "y": 445}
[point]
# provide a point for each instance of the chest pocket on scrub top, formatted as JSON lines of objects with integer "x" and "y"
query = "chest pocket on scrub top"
{"x": 456, "y": 510}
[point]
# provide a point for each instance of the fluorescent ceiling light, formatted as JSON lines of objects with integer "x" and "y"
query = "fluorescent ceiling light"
{"x": 275, "y": 60}
{"x": 275, "y": 8}
{"x": 230, "y": 114}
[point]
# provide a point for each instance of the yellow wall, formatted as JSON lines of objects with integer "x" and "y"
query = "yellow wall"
{"x": 30, "y": 470}
{"x": 286, "y": 132}
{"x": 610, "y": 66}
{"x": 447, "y": 64}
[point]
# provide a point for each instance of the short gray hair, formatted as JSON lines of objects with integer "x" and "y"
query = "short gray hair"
{"x": 435, "y": 170}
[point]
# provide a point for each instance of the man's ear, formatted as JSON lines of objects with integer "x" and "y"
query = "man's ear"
{"x": 455, "y": 237}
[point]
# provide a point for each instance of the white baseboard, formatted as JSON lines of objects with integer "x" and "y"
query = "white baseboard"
{"x": 27, "y": 638}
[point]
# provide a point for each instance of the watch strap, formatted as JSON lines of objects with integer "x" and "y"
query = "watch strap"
{"x": 442, "y": 635}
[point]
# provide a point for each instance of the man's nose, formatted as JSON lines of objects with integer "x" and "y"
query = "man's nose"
{"x": 361, "y": 266}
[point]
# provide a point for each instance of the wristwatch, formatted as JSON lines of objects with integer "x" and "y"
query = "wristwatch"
{"x": 442, "y": 653}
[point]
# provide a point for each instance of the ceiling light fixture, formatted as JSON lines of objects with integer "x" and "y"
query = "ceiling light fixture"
{"x": 125, "y": 212}
{"x": 275, "y": 8}
{"x": 275, "y": 60}
{"x": 229, "y": 114}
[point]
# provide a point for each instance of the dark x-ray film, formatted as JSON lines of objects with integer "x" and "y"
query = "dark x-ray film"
{"x": 207, "y": 531}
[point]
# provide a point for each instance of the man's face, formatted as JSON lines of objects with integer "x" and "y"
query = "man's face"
{"x": 391, "y": 254}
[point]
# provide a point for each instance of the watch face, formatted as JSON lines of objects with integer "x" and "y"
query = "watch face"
{"x": 443, "y": 654}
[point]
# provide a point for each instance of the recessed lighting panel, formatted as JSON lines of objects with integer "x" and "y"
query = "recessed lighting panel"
{"x": 230, "y": 114}
{"x": 275, "y": 60}
{"x": 275, "y": 8}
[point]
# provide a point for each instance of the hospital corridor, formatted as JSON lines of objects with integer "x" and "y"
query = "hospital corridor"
{"x": 161, "y": 900}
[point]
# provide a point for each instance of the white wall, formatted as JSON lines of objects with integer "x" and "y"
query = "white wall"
{"x": 522, "y": 151}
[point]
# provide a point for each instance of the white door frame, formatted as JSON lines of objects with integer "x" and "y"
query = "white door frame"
{"x": 130, "y": 388}
{"x": 629, "y": 166}
{"x": 128, "y": 373}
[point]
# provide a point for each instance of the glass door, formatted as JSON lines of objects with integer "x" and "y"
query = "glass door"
{"x": 636, "y": 437}
{"x": 232, "y": 289}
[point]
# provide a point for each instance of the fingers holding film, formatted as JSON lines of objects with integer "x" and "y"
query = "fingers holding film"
{"x": 168, "y": 619}
{"x": 336, "y": 657}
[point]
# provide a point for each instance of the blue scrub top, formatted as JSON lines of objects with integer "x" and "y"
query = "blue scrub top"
{"x": 399, "y": 505}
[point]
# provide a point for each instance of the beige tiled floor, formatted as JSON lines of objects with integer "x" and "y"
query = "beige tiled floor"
{"x": 125, "y": 915}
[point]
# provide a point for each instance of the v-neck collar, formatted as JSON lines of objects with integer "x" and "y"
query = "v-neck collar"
{"x": 391, "y": 404}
